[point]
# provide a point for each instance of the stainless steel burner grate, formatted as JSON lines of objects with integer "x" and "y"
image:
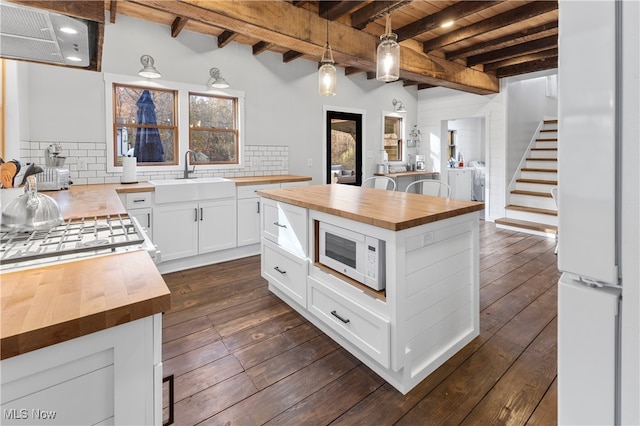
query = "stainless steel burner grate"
{"x": 93, "y": 235}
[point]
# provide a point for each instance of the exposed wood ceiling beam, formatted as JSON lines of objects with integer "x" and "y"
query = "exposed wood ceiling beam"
{"x": 424, "y": 86}
{"x": 371, "y": 75}
{"x": 113, "y": 6}
{"x": 260, "y": 47}
{"x": 177, "y": 26}
{"x": 306, "y": 33}
{"x": 452, "y": 13}
{"x": 226, "y": 37}
{"x": 500, "y": 42}
{"x": 332, "y": 10}
{"x": 549, "y": 53}
{"x": 517, "y": 50}
{"x": 512, "y": 16}
{"x": 528, "y": 67}
{"x": 291, "y": 55}
{"x": 374, "y": 10}
{"x": 352, "y": 70}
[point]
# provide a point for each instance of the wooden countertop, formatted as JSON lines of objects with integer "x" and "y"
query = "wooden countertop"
{"x": 385, "y": 209}
{"x": 51, "y": 304}
{"x": 405, "y": 174}
{"x": 257, "y": 180}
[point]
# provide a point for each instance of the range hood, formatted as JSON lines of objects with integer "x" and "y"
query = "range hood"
{"x": 38, "y": 35}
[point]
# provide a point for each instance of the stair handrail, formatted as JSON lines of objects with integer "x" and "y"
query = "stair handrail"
{"x": 523, "y": 160}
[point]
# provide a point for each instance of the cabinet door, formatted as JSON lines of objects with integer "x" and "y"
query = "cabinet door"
{"x": 144, "y": 218}
{"x": 460, "y": 182}
{"x": 176, "y": 230}
{"x": 248, "y": 221}
{"x": 217, "y": 220}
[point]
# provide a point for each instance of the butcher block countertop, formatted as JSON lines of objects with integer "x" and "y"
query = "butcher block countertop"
{"x": 258, "y": 180}
{"x": 51, "y": 304}
{"x": 385, "y": 209}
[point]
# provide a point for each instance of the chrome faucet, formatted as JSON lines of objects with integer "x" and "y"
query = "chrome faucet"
{"x": 186, "y": 164}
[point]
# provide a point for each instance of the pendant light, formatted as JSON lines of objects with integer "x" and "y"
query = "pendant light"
{"x": 388, "y": 55}
{"x": 327, "y": 75}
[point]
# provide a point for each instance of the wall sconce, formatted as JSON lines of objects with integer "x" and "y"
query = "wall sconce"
{"x": 399, "y": 107}
{"x": 217, "y": 80}
{"x": 388, "y": 55}
{"x": 327, "y": 75}
{"x": 148, "y": 70}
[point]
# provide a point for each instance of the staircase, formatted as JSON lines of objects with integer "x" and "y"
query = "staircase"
{"x": 531, "y": 208}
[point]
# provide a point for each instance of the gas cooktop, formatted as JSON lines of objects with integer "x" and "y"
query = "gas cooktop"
{"x": 73, "y": 239}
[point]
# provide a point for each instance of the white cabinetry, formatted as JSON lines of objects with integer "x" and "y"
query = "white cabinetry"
{"x": 284, "y": 248}
{"x": 189, "y": 229}
{"x": 249, "y": 210}
{"x": 460, "y": 181}
{"x": 113, "y": 376}
{"x": 140, "y": 206}
{"x": 249, "y": 213}
{"x": 428, "y": 311}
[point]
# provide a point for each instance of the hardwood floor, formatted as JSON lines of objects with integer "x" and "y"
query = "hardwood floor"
{"x": 240, "y": 356}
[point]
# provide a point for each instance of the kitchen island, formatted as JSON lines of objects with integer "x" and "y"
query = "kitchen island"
{"x": 429, "y": 309}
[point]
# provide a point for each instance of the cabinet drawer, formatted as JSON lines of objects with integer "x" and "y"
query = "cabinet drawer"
{"x": 285, "y": 225}
{"x": 138, "y": 200}
{"x": 367, "y": 331}
{"x": 285, "y": 271}
{"x": 248, "y": 191}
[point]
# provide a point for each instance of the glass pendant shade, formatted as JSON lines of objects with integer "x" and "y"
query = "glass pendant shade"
{"x": 327, "y": 75}
{"x": 388, "y": 56}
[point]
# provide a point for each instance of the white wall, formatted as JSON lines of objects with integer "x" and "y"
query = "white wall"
{"x": 283, "y": 108}
{"x": 440, "y": 104}
{"x": 527, "y": 105}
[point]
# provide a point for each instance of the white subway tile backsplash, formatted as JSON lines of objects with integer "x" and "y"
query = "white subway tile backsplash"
{"x": 259, "y": 160}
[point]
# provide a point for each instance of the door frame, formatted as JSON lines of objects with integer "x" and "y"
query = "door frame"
{"x": 325, "y": 152}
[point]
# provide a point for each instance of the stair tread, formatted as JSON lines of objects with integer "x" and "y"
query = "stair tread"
{"x": 532, "y": 193}
{"x": 544, "y": 149}
{"x": 548, "y": 130}
{"x": 540, "y": 181}
{"x": 531, "y": 210}
{"x": 531, "y": 169}
{"x": 541, "y": 159}
{"x": 535, "y": 226}
{"x": 550, "y": 121}
{"x": 547, "y": 140}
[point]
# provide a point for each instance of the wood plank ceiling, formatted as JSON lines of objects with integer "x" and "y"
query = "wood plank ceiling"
{"x": 488, "y": 40}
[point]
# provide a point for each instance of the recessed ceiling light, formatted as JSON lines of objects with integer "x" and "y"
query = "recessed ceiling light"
{"x": 74, "y": 58}
{"x": 68, "y": 30}
{"x": 447, "y": 24}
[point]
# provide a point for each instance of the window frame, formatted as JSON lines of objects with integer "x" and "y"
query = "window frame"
{"x": 235, "y": 131}
{"x": 183, "y": 90}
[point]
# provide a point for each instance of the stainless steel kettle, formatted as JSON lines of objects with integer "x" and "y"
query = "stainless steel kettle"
{"x": 31, "y": 211}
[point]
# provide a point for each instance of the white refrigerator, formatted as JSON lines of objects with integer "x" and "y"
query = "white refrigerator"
{"x": 598, "y": 217}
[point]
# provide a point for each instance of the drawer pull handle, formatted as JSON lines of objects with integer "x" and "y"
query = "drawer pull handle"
{"x": 277, "y": 268}
{"x": 139, "y": 200}
{"x": 344, "y": 320}
{"x": 279, "y": 224}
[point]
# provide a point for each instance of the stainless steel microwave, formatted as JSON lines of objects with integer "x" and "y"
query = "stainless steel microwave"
{"x": 358, "y": 256}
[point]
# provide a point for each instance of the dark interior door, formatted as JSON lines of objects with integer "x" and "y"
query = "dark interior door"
{"x": 344, "y": 147}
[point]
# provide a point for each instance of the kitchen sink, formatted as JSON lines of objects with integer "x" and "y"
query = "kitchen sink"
{"x": 181, "y": 190}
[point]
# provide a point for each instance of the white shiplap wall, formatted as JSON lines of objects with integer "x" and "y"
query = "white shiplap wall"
{"x": 439, "y": 104}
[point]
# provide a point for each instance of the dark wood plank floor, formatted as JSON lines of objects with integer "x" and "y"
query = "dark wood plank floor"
{"x": 240, "y": 356}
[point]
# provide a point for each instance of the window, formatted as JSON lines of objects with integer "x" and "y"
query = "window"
{"x": 145, "y": 125}
{"x": 213, "y": 129}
